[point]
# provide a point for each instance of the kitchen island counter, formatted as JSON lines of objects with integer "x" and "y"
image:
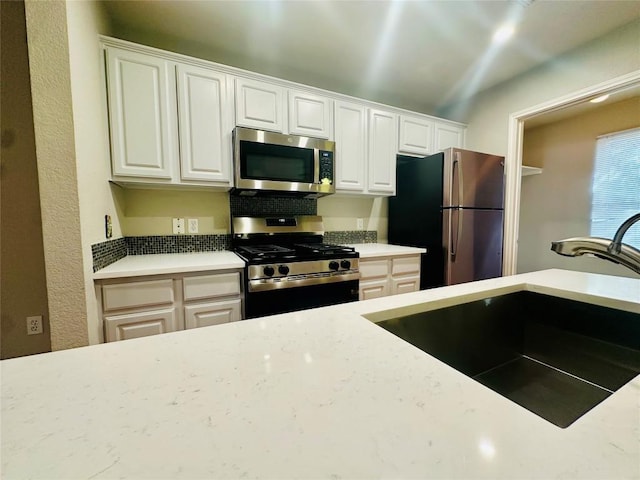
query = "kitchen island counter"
{"x": 323, "y": 393}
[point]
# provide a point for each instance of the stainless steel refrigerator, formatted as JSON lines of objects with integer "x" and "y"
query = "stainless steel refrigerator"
{"x": 450, "y": 203}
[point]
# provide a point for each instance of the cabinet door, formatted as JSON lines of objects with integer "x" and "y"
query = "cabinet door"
{"x": 405, "y": 284}
{"x": 416, "y": 135}
{"x": 373, "y": 268}
{"x": 405, "y": 265}
{"x": 259, "y": 105}
{"x": 373, "y": 289}
{"x": 447, "y": 135}
{"x": 309, "y": 115}
{"x": 212, "y": 313}
{"x": 140, "y": 324}
{"x": 383, "y": 142}
{"x": 142, "y": 116}
{"x": 205, "y": 129}
{"x": 351, "y": 146}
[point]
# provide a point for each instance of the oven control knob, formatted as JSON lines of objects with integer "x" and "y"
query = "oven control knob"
{"x": 268, "y": 271}
{"x": 283, "y": 269}
{"x": 334, "y": 265}
{"x": 346, "y": 264}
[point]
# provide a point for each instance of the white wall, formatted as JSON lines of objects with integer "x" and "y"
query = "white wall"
{"x": 487, "y": 114}
{"x": 85, "y": 20}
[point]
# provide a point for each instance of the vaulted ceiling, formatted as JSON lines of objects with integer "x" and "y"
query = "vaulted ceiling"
{"x": 419, "y": 55}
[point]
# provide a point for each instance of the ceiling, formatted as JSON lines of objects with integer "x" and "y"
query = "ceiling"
{"x": 419, "y": 55}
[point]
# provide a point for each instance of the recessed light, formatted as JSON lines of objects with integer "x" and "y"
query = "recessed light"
{"x": 599, "y": 99}
{"x": 504, "y": 33}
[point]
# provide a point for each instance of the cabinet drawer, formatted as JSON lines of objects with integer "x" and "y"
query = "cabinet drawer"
{"x": 373, "y": 289}
{"x": 373, "y": 268}
{"x": 214, "y": 313}
{"x": 137, "y": 294}
{"x": 405, "y": 265}
{"x": 405, "y": 284}
{"x": 210, "y": 286}
{"x": 142, "y": 324}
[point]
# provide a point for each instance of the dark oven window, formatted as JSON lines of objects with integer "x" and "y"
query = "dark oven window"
{"x": 259, "y": 304}
{"x": 276, "y": 162}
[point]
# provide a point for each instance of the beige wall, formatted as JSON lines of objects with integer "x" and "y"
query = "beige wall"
{"x": 149, "y": 211}
{"x": 53, "y": 124}
{"x": 340, "y": 212}
{"x": 22, "y": 274}
{"x": 557, "y": 203}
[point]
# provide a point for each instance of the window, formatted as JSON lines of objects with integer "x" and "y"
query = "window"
{"x": 615, "y": 188}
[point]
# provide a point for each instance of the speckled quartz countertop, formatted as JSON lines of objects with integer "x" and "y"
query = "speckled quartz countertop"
{"x": 369, "y": 250}
{"x": 158, "y": 264}
{"x": 323, "y": 393}
{"x": 135, "y": 265}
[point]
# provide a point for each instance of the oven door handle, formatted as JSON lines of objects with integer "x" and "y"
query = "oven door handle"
{"x": 287, "y": 282}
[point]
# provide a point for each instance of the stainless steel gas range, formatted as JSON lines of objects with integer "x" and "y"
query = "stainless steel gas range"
{"x": 289, "y": 268}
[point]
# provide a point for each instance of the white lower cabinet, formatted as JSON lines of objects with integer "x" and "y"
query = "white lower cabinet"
{"x": 166, "y": 303}
{"x": 224, "y": 288}
{"x": 211, "y": 313}
{"x": 380, "y": 277}
{"x": 140, "y": 324}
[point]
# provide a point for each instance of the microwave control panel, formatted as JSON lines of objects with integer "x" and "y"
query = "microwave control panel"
{"x": 326, "y": 167}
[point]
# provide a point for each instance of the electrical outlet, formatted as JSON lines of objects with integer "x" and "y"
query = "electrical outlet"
{"x": 178, "y": 225}
{"x": 360, "y": 223}
{"x": 192, "y": 224}
{"x": 34, "y": 325}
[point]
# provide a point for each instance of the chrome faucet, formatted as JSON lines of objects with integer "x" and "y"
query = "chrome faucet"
{"x": 612, "y": 250}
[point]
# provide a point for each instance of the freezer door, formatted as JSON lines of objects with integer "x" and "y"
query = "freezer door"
{"x": 472, "y": 179}
{"x": 472, "y": 241}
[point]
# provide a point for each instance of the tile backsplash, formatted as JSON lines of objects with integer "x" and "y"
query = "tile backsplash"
{"x": 177, "y": 244}
{"x": 240, "y": 206}
{"x": 106, "y": 253}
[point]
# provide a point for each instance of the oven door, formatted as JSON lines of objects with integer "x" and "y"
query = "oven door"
{"x": 271, "y": 302}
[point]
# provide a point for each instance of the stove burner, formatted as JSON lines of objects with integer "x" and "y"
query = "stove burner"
{"x": 323, "y": 248}
{"x": 267, "y": 250}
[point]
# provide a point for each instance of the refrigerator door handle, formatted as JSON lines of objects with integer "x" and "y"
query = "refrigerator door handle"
{"x": 454, "y": 238}
{"x": 458, "y": 162}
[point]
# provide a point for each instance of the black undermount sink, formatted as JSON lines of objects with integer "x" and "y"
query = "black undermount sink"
{"x": 555, "y": 357}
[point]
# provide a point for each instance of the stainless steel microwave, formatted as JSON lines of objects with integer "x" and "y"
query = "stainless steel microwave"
{"x": 268, "y": 162}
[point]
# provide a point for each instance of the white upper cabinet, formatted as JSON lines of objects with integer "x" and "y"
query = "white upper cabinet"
{"x": 351, "y": 146}
{"x": 170, "y": 122}
{"x": 259, "y": 105}
{"x": 141, "y": 93}
{"x": 309, "y": 115}
{"x": 416, "y": 135}
{"x": 205, "y": 126}
{"x": 448, "y": 135}
{"x": 383, "y": 146}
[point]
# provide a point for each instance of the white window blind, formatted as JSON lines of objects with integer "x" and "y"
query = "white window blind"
{"x": 615, "y": 188}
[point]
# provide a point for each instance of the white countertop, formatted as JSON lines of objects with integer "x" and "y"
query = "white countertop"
{"x": 156, "y": 264}
{"x": 323, "y": 393}
{"x": 167, "y": 263}
{"x": 370, "y": 250}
